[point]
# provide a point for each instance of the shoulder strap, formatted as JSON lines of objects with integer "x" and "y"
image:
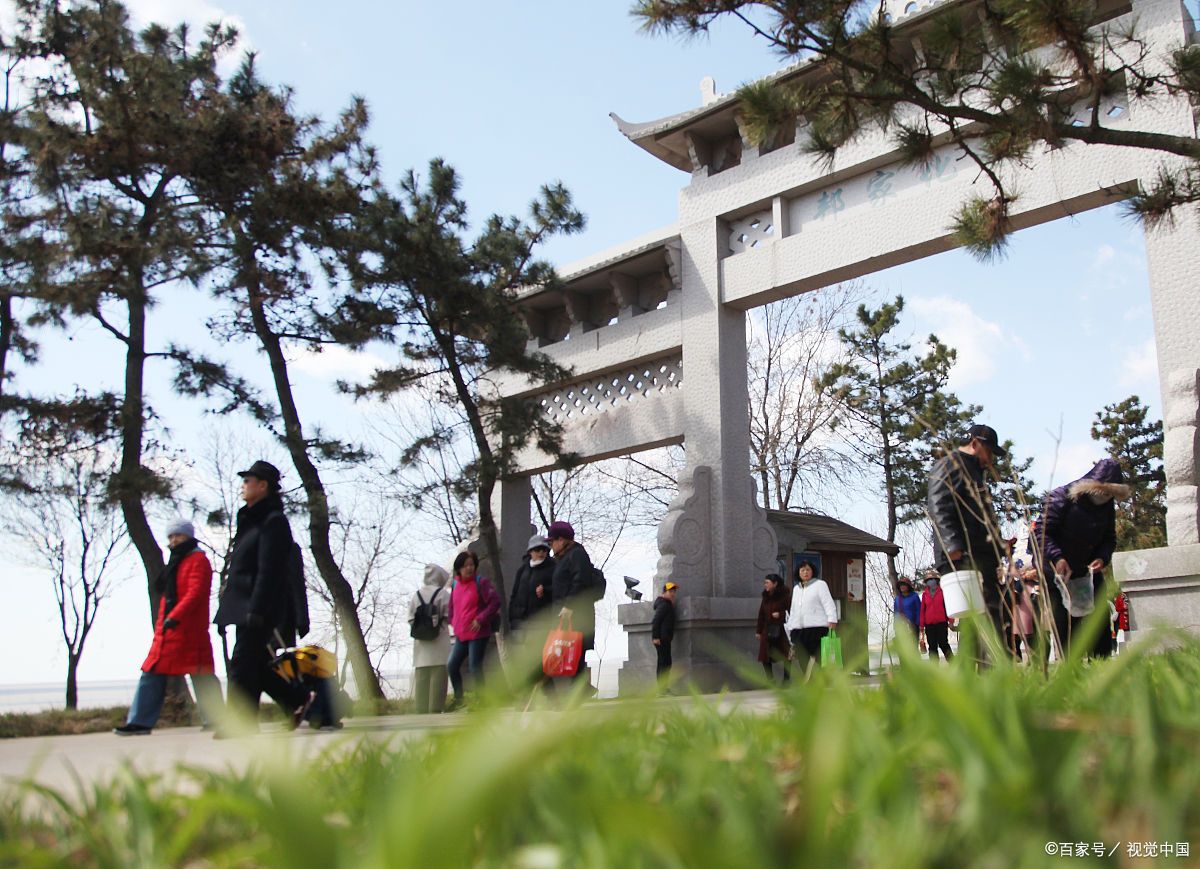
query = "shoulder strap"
{"x": 433, "y": 597}
{"x": 422, "y": 600}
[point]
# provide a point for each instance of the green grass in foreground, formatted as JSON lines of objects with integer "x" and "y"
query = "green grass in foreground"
{"x": 939, "y": 767}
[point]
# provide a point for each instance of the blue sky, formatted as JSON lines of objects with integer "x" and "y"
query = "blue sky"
{"x": 518, "y": 94}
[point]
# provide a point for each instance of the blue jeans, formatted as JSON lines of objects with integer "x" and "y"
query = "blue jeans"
{"x": 472, "y": 651}
{"x": 152, "y": 691}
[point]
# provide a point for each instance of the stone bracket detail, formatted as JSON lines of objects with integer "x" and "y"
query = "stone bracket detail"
{"x": 1181, "y": 455}
{"x": 685, "y": 535}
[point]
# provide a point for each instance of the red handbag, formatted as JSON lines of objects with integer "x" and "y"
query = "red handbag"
{"x": 563, "y": 650}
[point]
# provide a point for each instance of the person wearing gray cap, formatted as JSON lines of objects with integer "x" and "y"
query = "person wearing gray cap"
{"x": 181, "y": 645}
{"x": 532, "y": 593}
{"x": 531, "y": 589}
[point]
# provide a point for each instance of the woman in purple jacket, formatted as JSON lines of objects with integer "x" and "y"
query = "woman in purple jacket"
{"x": 473, "y": 604}
{"x": 1077, "y": 536}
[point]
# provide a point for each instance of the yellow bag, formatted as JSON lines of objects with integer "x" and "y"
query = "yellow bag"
{"x": 308, "y": 661}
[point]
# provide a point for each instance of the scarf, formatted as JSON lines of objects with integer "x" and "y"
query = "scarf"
{"x": 164, "y": 583}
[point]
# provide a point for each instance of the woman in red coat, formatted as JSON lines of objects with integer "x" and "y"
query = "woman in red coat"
{"x": 773, "y": 642}
{"x": 181, "y": 645}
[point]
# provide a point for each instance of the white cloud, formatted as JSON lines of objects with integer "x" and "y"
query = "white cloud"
{"x": 197, "y": 14}
{"x": 1066, "y": 462}
{"x": 980, "y": 343}
{"x": 336, "y": 363}
{"x": 1139, "y": 367}
{"x": 1105, "y": 254}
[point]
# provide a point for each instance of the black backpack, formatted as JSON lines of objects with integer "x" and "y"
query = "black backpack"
{"x": 427, "y": 621}
{"x": 599, "y": 583}
{"x": 297, "y": 590}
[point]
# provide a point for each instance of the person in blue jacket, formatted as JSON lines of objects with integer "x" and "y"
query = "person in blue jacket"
{"x": 906, "y": 606}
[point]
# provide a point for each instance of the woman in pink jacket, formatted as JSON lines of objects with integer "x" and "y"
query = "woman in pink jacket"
{"x": 474, "y": 603}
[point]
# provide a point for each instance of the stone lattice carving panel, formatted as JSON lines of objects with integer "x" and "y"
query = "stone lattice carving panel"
{"x": 602, "y": 394}
{"x": 1114, "y": 110}
{"x": 752, "y": 231}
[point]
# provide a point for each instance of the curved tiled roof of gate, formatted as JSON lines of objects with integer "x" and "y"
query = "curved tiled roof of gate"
{"x": 650, "y": 134}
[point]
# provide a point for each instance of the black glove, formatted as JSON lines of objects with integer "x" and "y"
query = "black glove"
{"x": 169, "y": 623}
{"x": 254, "y": 620}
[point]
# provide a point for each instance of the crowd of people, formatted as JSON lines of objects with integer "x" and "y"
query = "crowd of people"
{"x": 1034, "y": 599}
{"x": 1043, "y": 596}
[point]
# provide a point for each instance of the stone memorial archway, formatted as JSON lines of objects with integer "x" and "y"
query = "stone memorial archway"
{"x": 655, "y": 332}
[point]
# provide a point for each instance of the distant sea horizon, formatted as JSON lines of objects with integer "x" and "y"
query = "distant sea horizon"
{"x": 103, "y": 693}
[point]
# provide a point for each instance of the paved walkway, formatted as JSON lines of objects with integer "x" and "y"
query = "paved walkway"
{"x": 65, "y": 762}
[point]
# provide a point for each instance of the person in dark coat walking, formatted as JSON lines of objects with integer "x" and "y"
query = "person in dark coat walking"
{"x": 575, "y": 587}
{"x": 257, "y": 600}
{"x": 1076, "y": 537}
{"x": 966, "y": 533}
{"x": 533, "y": 586}
{"x": 662, "y": 630}
{"x": 769, "y": 628}
{"x": 181, "y": 645}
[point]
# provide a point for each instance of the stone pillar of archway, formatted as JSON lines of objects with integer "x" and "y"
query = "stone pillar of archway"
{"x": 715, "y": 541}
{"x": 1164, "y": 584}
{"x": 1174, "y": 290}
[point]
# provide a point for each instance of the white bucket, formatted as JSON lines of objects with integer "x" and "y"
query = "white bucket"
{"x": 962, "y": 592}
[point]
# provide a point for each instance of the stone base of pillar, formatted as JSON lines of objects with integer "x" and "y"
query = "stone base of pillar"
{"x": 714, "y": 646}
{"x": 1163, "y": 586}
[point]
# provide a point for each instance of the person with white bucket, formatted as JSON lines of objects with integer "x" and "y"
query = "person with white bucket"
{"x": 967, "y": 543}
{"x": 1076, "y": 538}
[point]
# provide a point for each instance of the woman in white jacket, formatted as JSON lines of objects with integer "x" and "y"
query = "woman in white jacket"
{"x": 811, "y": 616}
{"x": 429, "y": 656}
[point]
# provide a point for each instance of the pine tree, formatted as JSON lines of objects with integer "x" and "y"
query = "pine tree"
{"x": 999, "y": 79}
{"x": 901, "y": 414}
{"x": 283, "y": 190}
{"x": 449, "y": 305}
{"x": 108, "y": 134}
{"x": 1137, "y": 444}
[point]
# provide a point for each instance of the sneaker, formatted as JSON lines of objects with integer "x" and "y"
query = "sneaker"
{"x": 132, "y": 730}
{"x": 330, "y": 727}
{"x": 302, "y": 709}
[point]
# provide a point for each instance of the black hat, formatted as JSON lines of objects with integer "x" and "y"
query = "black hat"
{"x": 987, "y": 434}
{"x": 264, "y": 471}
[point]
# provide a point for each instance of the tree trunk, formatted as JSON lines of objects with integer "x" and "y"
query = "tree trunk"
{"x": 133, "y": 423}
{"x": 318, "y": 505}
{"x": 8, "y": 329}
{"x": 72, "y": 680}
{"x": 491, "y": 542}
{"x": 487, "y": 476}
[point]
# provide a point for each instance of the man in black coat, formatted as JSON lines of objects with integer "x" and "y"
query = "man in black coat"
{"x": 966, "y": 533}
{"x": 575, "y": 587}
{"x": 256, "y": 598}
{"x": 533, "y": 586}
{"x": 662, "y": 630}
